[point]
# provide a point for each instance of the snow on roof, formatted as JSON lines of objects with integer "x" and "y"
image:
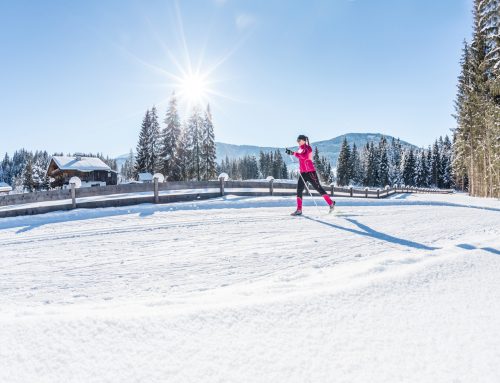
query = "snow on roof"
{"x": 5, "y": 187}
{"x": 84, "y": 164}
{"x": 145, "y": 177}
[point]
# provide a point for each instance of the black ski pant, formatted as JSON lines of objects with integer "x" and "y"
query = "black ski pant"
{"x": 313, "y": 179}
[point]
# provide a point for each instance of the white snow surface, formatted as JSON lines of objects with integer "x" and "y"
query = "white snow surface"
{"x": 404, "y": 289}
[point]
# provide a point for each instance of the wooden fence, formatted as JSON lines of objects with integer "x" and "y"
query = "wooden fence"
{"x": 132, "y": 194}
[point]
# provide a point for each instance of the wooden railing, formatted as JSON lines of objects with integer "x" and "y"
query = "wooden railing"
{"x": 132, "y": 194}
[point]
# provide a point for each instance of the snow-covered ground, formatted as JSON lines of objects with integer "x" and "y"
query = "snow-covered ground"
{"x": 404, "y": 289}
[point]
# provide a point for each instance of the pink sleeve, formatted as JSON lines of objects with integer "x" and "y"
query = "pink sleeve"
{"x": 303, "y": 153}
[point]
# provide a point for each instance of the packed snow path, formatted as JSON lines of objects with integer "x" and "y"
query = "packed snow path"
{"x": 405, "y": 289}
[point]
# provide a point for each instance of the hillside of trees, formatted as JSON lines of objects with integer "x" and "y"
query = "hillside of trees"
{"x": 477, "y": 136}
{"x": 26, "y": 171}
{"x": 180, "y": 151}
{"x": 383, "y": 163}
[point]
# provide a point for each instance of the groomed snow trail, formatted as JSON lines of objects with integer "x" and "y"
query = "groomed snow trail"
{"x": 405, "y": 289}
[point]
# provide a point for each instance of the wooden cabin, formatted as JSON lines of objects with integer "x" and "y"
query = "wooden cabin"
{"x": 91, "y": 170}
{"x": 5, "y": 188}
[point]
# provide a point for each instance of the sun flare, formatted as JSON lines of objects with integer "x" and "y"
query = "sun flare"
{"x": 194, "y": 88}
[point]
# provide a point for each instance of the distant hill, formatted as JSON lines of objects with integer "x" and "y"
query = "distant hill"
{"x": 329, "y": 148}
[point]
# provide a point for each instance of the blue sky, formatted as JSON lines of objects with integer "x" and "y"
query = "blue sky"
{"x": 79, "y": 75}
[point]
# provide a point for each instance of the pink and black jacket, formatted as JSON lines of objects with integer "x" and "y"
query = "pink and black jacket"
{"x": 305, "y": 155}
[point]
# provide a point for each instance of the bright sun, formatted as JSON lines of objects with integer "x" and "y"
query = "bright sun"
{"x": 194, "y": 88}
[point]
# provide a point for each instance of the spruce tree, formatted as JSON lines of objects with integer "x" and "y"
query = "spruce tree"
{"x": 343, "y": 164}
{"x": 154, "y": 143}
{"x": 409, "y": 168}
{"x": 183, "y": 156}
{"x": 142, "y": 159}
{"x": 422, "y": 170}
{"x": 384, "y": 167}
{"x": 27, "y": 176}
{"x": 357, "y": 173}
{"x": 195, "y": 144}
{"x": 436, "y": 167}
{"x": 372, "y": 171}
{"x": 170, "y": 138}
{"x": 208, "y": 152}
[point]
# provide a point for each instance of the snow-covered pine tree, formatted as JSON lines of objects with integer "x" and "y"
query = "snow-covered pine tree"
{"x": 6, "y": 169}
{"x": 436, "y": 167}
{"x": 284, "y": 171}
{"x": 142, "y": 158}
{"x": 428, "y": 162}
{"x": 384, "y": 167}
{"x": 41, "y": 161}
{"x": 27, "y": 176}
{"x": 326, "y": 168}
{"x": 170, "y": 137}
{"x": 277, "y": 164}
{"x": 184, "y": 155}
{"x": 446, "y": 163}
{"x": 343, "y": 164}
{"x": 127, "y": 169}
{"x": 195, "y": 137}
{"x": 155, "y": 163}
{"x": 373, "y": 165}
{"x": 208, "y": 152}
{"x": 357, "y": 174}
{"x": 409, "y": 167}
{"x": 422, "y": 175}
{"x": 476, "y": 148}
{"x": 317, "y": 163}
{"x": 395, "y": 154}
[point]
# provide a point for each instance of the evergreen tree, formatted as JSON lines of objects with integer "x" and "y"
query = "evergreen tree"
{"x": 436, "y": 167}
{"x": 395, "y": 156}
{"x": 183, "y": 156}
{"x": 357, "y": 173}
{"x": 170, "y": 137}
{"x": 422, "y": 175}
{"x": 373, "y": 165}
{"x": 28, "y": 182}
{"x": 318, "y": 163}
{"x": 195, "y": 144}
{"x": 343, "y": 164}
{"x": 142, "y": 159}
{"x": 446, "y": 163}
{"x": 409, "y": 168}
{"x": 476, "y": 149}
{"x": 155, "y": 161}
{"x": 277, "y": 164}
{"x": 384, "y": 167}
{"x": 208, "y": 153}
{"x": 428, "y": 163}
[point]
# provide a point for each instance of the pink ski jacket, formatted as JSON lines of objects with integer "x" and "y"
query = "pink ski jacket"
{"x": 305, "y": 155}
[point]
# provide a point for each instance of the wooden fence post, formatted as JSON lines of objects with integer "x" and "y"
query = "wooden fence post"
{"x": 73, "y": 196}
{"x": 350, "y": 191}
{"x": 157, "y": 196}
{"x": 366, "y": 192}
{"x": 378, "y": 193}
{"x": 271, "y": 186}
{"x": 221, "y": 180}
{"x": 332, "y": 192}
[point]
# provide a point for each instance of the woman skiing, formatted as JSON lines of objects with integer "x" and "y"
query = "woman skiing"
{"x": 307, "y": 173}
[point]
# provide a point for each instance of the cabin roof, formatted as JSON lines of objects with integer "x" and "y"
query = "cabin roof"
{"x": 4, "y": 187}
{"x": 83, "y": 164}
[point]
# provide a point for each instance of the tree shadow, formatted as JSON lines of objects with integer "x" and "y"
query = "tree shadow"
{"x": 369, "y": 232}
{"x": 467, "y": 246}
